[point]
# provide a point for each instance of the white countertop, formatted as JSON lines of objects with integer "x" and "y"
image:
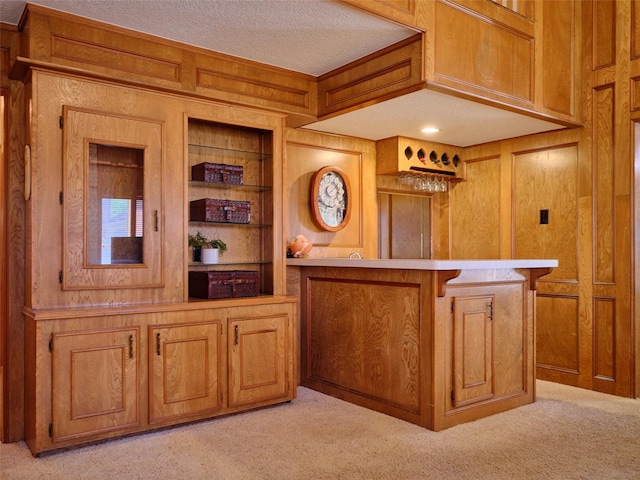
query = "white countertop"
{"x": 410, "y": 264}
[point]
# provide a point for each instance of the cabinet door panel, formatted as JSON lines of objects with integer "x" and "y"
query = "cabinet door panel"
{"x": 185, "y": 370}
{"x": 258, "y": 359}
{"x": 95, "y": 382}
{"x": 112, "y": 201}
{"x": 472, "y": 349}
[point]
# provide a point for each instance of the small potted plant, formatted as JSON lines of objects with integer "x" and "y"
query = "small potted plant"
{"x": 195, "y": 243}
{"x": 212, "y": 249}
{"x": 205, "y": 250}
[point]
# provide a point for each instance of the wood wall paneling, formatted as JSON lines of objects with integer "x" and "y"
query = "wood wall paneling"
{"x": 475, "y": 210}
{"x": 376, "y": 77}
{"x": 604, "y": 161}
{"x": 604, "y": 338}
{"x": 307, "y": 152}
{"x": 525, "y": 8}
{"x": 559, "y": 58}
{"x": 604, "y": 33}
{"x": 314, "y": 159}
{"x": 635, "y": 29}
{"x": 408, "y": 226}
{"x": 224, "y": 77}
{"x": 558, "y": 336}
{"x": 635, "y": 293}
{"x": 407, "y": 12}
{"x": 12, "y": 323}
{"x": 481, "y": 56}
{"x": 365, "y": 368}
{"x": 136, "y": 58}
{"x": 547, "y": 180}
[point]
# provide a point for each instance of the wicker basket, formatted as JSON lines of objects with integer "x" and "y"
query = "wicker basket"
{"x": 224, "y": 284}
{"x": 217, "y": 173}
{"x": 224, "y": 211}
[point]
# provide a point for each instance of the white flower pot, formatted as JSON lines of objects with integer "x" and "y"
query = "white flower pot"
{"x": 210, "y": 255}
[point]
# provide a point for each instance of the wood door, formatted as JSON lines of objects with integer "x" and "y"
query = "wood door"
{"x": 405, "y": 226}
{"x": 258, "y": 359}
{"x": 95, "y": 381}
{"x": 184, "y": 370}
{"x": 472, "y": 350}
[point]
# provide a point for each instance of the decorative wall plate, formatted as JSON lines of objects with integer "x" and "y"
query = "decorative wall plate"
{"x": 330, "y": 199}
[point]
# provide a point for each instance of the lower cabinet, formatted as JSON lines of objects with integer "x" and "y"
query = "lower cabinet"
{"x": 433, "y": 347}
{"x": 471, "y": 350}
{"x": 185, "y": 370}
{"x": 257, "y": 359}
{"x": 488, "y": 349}
{"x": 95, "y": 377}
{"x": 91, "y": 378}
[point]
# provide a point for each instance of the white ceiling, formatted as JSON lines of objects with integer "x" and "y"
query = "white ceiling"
{"x": 307, "y": 36}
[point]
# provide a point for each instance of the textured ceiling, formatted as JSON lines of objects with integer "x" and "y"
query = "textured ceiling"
{"x": 307, "y": 36}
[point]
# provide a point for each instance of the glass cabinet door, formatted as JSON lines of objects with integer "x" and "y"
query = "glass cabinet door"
{"x": 112, "y": 201}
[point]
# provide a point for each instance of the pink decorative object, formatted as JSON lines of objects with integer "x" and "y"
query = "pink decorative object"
{"x": 300, "y": 246}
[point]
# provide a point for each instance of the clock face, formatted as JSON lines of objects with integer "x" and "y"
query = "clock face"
{"x": 330, "y": 198}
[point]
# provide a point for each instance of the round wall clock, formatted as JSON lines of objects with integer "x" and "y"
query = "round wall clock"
{"x": 330, "y": 199}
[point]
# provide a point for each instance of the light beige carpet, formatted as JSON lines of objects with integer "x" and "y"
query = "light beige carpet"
{"x": 568, "y": 433}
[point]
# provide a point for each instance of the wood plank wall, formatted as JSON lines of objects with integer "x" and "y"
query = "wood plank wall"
{"x": 588, "y": 312}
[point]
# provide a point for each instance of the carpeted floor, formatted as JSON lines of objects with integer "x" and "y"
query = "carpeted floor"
{"x": 568, "y": 433}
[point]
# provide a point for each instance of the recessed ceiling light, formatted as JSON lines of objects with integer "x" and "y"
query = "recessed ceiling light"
{"x": 430, "y": 130}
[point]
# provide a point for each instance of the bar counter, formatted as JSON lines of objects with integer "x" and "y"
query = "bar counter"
{"x": 433, "y": 342}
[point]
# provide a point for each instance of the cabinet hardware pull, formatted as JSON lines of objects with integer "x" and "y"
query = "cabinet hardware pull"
{"x": 130, "y": 346}
{"x": 490, "y": 310}
{"x": 235, "y": 335}
{"x": 158, "y": 344}
{"x": 155, "y": 220}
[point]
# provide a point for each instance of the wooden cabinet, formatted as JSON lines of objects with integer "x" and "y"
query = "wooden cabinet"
{"x": 93, "y": 375}
{"x": 185, "y": 370}
{"x": 258, "y": 359}
{"x": 525, "y": 54}
{"x": 106, "y": 262}
{"x": 471, "y": 350}
{"x": 433, "y": 347}
{"x": 95, "y": 382}
{"x": 488, "y": 347}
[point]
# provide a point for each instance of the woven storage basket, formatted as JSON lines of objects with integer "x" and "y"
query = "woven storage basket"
{"x": 224, "y": 284}
{"x": 217, "y": 173}
{"x": 224, "y": 211}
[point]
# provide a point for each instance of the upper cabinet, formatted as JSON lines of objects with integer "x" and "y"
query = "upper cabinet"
{"x": 112, "y": 197}
{"x": 522, "y": 54}
{"x": 525, "y": 54}
{"x": 110, "y": 190}
{"x": 102, "y": 220}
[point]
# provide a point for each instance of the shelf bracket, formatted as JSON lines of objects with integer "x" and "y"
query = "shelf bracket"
{"x": 535, "y": 274}
{"x": 443, "y": 277}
